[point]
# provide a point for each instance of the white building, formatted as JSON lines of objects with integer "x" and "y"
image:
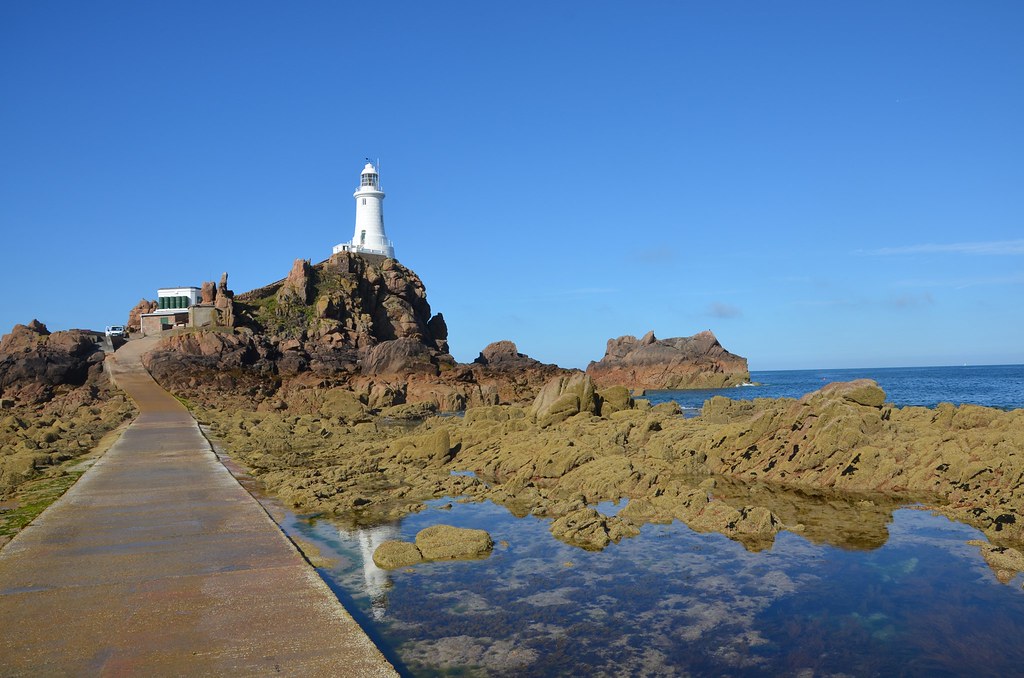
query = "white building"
{"x": 369, "y": 236}
{"x": 171, "y": 299}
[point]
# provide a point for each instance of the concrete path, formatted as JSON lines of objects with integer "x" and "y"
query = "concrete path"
{"x": 157, "y": 562}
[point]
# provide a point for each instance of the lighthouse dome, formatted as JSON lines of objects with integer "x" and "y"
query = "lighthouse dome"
{"x": 369, "y": 169}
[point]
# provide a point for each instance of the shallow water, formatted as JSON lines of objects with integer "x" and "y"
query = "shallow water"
{"x": 864, "y": 586}
{"x": 913, "y": 599}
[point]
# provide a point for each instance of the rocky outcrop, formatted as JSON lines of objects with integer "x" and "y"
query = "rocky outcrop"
{"x": 208, "y": 293}
{"x": 504, "y": 355}
{"x": 590, "y": 530}
{"x": 352, "y": 322}
{"x": 35, "y": 363}
{"x": 678, "y": 363}
{"x": 515, "y": 377}
{"x": 224, "y": 302}
{"x": 134, "y": 323}
{"x": 399, "y": 357}
{"x": 299, "y": 283}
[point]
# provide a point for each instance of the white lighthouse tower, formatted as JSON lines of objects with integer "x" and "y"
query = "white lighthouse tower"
{"x": 369, "y": 236}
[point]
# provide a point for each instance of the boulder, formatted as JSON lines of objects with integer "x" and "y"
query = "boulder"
{"x": 860, "y": 392}
{"x": 445, "y": 542}
{"x": 564, "y": 397}
{"x": 393, "y": 554}
{"x": 399, "y": 357}
{"x": 677, "y": 363}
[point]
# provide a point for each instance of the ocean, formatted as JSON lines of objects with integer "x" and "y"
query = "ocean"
{"x": 1000, "y": 386}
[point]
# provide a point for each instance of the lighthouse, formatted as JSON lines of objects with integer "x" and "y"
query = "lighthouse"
{"x": 369, "y": 236}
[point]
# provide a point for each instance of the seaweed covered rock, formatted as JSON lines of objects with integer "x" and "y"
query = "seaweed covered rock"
{"x": 438, "y": 542}
{"x": 394, "y": 553}
{"x": 591, "y": 530}
{"x": 445, "y": 542}
{"x": 564, "y": 397}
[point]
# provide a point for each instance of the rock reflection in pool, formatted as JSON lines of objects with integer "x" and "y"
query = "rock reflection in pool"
{"x": 915, "y": 599}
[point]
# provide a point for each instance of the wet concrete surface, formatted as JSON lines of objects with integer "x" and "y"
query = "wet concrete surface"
{"x": 157, "y": 562}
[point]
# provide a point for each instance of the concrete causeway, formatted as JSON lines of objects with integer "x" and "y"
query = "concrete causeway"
{"x": 157, "y": 562}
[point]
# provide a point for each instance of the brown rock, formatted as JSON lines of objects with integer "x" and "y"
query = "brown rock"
{"x": 134, "y": 323}
{"x": 298, "y": 286}
{"x": 209, "y": 293}
{"x": 514, "y": 376}
{"x": 681, "y": 362}
{"x": 399, "y": 357}
{"x": 34, "y": 362}
{"x": 505, "y": 355}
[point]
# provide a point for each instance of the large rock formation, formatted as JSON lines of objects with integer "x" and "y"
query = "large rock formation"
{"x": 678, "y": 363}
{"x": 361, "y": 323}
{"x": 34, "y": 362}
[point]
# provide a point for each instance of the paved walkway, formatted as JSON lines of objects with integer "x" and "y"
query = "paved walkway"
{"x": 157, "y": 562}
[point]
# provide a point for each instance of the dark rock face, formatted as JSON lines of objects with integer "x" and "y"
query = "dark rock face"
{"x": 299, "y": 283}
{"x": 399, "y": 357}
{"x": 681, "y": 362}
{"x": 505, "y": 355}
{"x": 515, "y": 376}
{"x": 34, "y": 362}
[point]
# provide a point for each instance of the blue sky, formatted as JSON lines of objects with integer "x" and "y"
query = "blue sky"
{"x": 821, "y": 184}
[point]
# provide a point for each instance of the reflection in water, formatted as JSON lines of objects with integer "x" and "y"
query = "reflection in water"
{"x": 376, "y": 581}
{"x": 861, "y": 590}
{"x": 856, "y": 522}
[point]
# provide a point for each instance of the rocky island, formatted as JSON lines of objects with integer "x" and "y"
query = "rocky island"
{"x": 678, "y": 363}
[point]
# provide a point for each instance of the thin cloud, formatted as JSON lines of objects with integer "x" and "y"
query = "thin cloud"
{"x": 657, "y": 255}
{"x": 912, "y": 300}
{"x": 992, "y": 247}
{"x": 720, "y": 310}
{"x": 964, "y": 283}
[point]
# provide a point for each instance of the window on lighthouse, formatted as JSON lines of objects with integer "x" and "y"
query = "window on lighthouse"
{"x": 362, "y": 237}
{"x": 369, "y": 180}
{"x": 364, "y": 201}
